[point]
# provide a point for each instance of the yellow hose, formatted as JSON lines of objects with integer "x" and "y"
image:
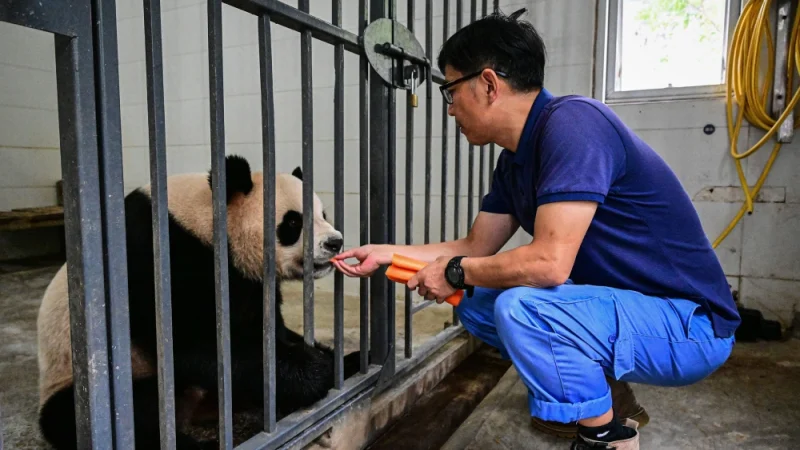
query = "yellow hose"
{"x": 742, "y": 81}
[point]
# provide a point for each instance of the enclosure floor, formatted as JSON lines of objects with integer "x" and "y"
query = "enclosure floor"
{"x": 21, "y": 289}
{"x": 749, "y": 403}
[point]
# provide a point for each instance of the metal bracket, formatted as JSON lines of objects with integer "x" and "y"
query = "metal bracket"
{"x": 779, "y": 94}
{"x": 395, "y": 55}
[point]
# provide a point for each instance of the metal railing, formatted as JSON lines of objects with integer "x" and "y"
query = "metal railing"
{"x": 91, "y": 154}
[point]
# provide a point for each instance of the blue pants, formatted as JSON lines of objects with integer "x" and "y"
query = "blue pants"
{"x": 564, "y": 340}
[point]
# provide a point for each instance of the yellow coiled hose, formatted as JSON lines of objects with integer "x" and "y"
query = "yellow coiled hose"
{"x": 742, "y": 80}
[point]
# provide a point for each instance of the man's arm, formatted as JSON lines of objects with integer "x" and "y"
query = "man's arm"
{"x": 547, "y": 261}
{"x": 486, "y": 237}
{"x": 489, "y": 233}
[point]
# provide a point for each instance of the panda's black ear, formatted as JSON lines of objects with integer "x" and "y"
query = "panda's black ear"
{"x": 298, "y": 172}
{"x": 237, "y": 176}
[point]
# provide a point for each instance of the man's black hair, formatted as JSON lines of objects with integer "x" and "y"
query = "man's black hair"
{"x": 499, "y": 42}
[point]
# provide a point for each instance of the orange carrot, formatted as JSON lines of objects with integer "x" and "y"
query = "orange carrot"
{"x": 407, "y": 263}
{"x": 403, "y": 268}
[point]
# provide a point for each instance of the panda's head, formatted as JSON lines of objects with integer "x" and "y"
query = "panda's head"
{"x": 191, "y": 205}
{"x": 246, "y": 225}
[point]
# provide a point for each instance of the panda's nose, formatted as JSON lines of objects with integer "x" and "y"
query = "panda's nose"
{"x": 334, "y": 244}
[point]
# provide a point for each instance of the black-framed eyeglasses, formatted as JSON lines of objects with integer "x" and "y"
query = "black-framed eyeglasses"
{"x": 445, "y": 88}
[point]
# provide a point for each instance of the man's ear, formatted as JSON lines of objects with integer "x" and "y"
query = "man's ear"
{"x": 492, "y": 84}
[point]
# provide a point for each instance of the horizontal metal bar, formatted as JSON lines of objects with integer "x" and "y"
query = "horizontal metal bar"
{"x": 52, "y": 16}
{"x": 390, "y": 49}
{"x": 294, "y": 424}
{"x": 297, "y": 20}
{"x": 422, "y": 306}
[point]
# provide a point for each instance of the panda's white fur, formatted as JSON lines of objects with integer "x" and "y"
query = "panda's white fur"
{"x": 191, "y": 223}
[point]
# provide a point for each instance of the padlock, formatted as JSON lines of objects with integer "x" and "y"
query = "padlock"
{"x": 414, "y": 99}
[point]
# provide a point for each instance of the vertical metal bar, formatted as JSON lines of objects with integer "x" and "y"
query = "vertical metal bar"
{"x": 428, "y": 117}
{"x": 338, "y": 200}
{"x": 392, "y": 194}
{"x": 471, "y": 163}
{"x": 1, "y": 427}
{"x": 161, "y": 255}
{"x": 492, "y": 159}
{"x": 482, "y": 164}
{"x": 220, "y": 236}
{"x": 409, "y": 187}
{"x": 496, "y": 5}
{"x": 381, "y": 202}
{"x": 457, "y": 199}
{"x": 457, "y": 188}
{"x": 268, "y": 143}
{"x": 445, "y": 137}
{"x": 364, "y": 193}
{"x": 308, "y": 181}
{"x": 113, "y": 211}
{"x": 84, "y": 238}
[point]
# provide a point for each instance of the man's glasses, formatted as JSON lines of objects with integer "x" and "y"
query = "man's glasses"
{"x": 445, "y": 88}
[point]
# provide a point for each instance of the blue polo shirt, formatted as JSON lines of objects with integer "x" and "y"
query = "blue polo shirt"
{"x": 645, "y": 236}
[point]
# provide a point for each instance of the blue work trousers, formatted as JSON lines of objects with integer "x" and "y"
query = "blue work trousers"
{"x": 564, "y": 340}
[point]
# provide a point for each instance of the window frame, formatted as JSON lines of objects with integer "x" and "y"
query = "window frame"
{"x": 606, "y": 49}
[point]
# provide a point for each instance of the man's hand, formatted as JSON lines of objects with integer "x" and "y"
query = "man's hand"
{"x": 369, "y": 257}
{"x": 430, "y": 282}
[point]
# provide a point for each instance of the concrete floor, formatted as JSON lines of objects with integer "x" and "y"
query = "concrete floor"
{"x": 752, "y": 402}
{"x": 21, "y": 288}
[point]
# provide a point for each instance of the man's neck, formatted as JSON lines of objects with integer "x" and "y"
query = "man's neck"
{"x": 512, "y": 120}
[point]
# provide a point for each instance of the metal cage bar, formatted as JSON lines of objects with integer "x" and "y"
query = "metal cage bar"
{"x": 338, "y": 201}
{"x": 409, "y": 188}
{"x": 428, "y": 117}
{"x": 82, "y": 206}
{"x": 161, "y": 249}
{"x": 471, "y": 148}
{"x": 268, "y": 143}
{"x": 113, "y": 211}
{"x": 220, "y": 222}
{"x": 364, "y": 166}
{"x": 307, "y": 101}
{"x": 445, "y": 137}
{"x": 482, "y": 163}
{"x": 457, "y": 187}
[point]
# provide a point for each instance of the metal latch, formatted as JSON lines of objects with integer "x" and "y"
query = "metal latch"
{"x": 396, "y": 56}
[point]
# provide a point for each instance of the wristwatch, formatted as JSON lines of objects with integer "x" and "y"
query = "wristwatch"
{"x": 454, "y": 274}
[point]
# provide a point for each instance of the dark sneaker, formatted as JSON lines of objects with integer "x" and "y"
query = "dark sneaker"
{"x": 632, "y": 443}
{"x": 624, "y": 404}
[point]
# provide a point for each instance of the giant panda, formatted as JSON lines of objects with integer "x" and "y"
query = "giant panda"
{"x": 304, "y": 373}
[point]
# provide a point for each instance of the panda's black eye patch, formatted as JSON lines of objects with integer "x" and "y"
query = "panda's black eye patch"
{"x": 290, "y": 228}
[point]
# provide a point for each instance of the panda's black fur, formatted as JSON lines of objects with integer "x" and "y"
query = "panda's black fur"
{"x": 304, "y": 374}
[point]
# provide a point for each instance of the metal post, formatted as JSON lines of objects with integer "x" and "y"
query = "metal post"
{"x": 409, "y": 188}
{"x": 82, "y": 205}
{"x": 779, "y": 100}
{"x": 381, "y": 202}
{"x": 445, "y": 137}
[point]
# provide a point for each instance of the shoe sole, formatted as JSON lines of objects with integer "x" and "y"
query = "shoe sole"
{"x": 570, "y": 432}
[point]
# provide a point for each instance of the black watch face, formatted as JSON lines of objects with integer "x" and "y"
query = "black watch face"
{"x": 452, "y": 275}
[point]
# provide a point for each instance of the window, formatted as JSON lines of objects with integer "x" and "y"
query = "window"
{"x": 665, "y": 48}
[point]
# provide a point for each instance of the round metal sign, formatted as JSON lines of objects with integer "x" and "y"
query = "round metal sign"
{"x": 378, "y": 33}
